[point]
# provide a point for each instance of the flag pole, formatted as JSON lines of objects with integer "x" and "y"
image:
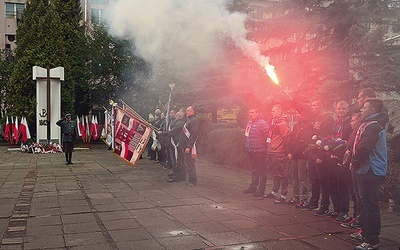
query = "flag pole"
{"x": 171, "y": 86}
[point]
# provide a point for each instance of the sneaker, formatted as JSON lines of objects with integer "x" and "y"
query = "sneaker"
{"x": 349, "y": 218}
{"x": 342, "y": 217}
{"x": 249, "y": 191}
{"x": 258, "y": 194}
{"x": 332, "y": 214}
{"x": 293, "y": 200}
{"x": 308, "y": 206}
{"x": 351, "y": 224}
{"x": 271, "y": 196}
{"x": 191, "y": 184}
{"x": 280, "y": 200}
{"x": 366, "y": 246}
{"x": 322, "y": 212}
{"x": 299, "y": 204}
{"x": 357, "y": 236}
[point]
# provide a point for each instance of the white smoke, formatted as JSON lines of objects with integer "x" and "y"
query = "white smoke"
{"x": 179, "y": 35}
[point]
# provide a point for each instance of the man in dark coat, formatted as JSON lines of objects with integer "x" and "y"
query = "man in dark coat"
{"x": 69, "y": 131}
{"x": 256, "y": 146}
{"x": 187, "y": 142}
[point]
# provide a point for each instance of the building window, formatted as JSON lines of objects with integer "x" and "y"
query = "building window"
{"x": 14, "y": 10}
{"x": 97, "y": 15}
{"x": 102, "y": 2}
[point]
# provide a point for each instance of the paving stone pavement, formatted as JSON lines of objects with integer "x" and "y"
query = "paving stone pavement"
{"x": 102, "y": 202}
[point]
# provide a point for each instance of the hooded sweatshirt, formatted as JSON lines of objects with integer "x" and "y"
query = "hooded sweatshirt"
{"x": 370, "y": 148}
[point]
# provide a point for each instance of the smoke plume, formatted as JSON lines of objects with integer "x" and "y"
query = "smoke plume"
{"x": 178, "y": 36}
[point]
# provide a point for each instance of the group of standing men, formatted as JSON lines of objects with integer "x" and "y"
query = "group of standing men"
{"x": 336, "y": 172}
{"x": 179, "y": 137}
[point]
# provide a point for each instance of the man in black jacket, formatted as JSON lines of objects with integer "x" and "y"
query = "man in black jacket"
{"x": 69, "y": 132}
{"x": 187, "y": 142}
{"x": 173, "y": 134}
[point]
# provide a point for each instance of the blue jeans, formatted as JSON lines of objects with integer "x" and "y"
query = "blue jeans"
{"x": 370, "y": 218}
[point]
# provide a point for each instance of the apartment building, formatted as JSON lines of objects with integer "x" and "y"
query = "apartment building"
{"x": 11, "y": 12}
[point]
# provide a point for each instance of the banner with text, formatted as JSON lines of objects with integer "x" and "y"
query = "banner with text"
{"x": 132, "y": 133}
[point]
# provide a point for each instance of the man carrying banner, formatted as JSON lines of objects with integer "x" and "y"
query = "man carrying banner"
{"x": 188, "y": 143}
{"x": 173, "y": 135}
{"x": 69, "y": 131}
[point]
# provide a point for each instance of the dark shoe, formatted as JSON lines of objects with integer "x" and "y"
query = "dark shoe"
{"x": 293, "y": 200}
{"x": 66, "y": 163}
{"x": 366, "y": 246}
{"x": 70, "y": 162}
{"x": 351, "y": 224}
{"x": 332, "y": 214}
{"x": 258, "y": 194}
{"x": 348, "y": 219}
{"x": 249, "y": 191}
{"x": 271, "y": 196}
{"x": 357, "y": 236}
{"x": 342, "y": 217}
{"x": 280, "y": 200}
{"x": 322, "y": 212}
{"x": 308, "y": 206}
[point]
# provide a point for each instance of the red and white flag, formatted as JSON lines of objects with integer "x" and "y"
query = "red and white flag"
{"x": 7, "y": 131}
{"x": 24, "y": 129}
{"x": 28, "y": 133}
{"x": 15, "y": 131}
{"x": 81, "y": 126}
{"x": 96, "y": 133}
{"x": 93, "y": 128}
{"x": 87, "y": 127}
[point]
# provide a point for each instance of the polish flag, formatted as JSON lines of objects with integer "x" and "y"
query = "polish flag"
{"x": 87, "y": 127}
{"x": 94, "y": 128}
{"x": 82, "y": 128}
{"x": 79, "y": 126}
{"x": 15, "y": 131}
{"x": 7, "y": 131}
{"x": 24, "y": 129}
{"x": 28, "y": 133}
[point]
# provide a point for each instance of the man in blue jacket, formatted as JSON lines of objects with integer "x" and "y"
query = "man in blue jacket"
{"x": 369, "y": 164}
{"x": 256, "y": 146}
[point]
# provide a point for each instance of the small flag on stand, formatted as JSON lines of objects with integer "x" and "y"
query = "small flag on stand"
{"x": 15, "y": 131}
{"x": 82, "y": 128}
{"x": 24, "y": 129}
{"x": 7, "y": 131}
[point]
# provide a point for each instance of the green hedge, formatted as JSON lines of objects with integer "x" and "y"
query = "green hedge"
{"x": 223, "y": 143}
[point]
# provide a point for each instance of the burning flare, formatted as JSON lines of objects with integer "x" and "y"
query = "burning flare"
{"x": 270, "y": 69}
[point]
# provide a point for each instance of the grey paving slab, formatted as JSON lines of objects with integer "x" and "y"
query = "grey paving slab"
{"x": 140, "y": 244}
{"x": 76, "y": 228}
{"x": 42, "y": 231}
{"x": 103, "y": 203}
{"x": 131, "y": 234}
{"x": 121, "y": 224}
{"x": 52, "y": 241}
{"x": 44, "y": 221}
{"x": 84, "y": 239}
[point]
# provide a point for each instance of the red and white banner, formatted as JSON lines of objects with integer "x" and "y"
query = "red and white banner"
{"x": 94, "y": 128}
{"x": 15, "y": 131}
{"x": 7, "y": 131}
{"x": 132, "y": 133}
{"x": 24, "y": 129}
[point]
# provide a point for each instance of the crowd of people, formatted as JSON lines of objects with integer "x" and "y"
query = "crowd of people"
{"x": 173, "y": 143}
{"x": 333, "y": 157}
